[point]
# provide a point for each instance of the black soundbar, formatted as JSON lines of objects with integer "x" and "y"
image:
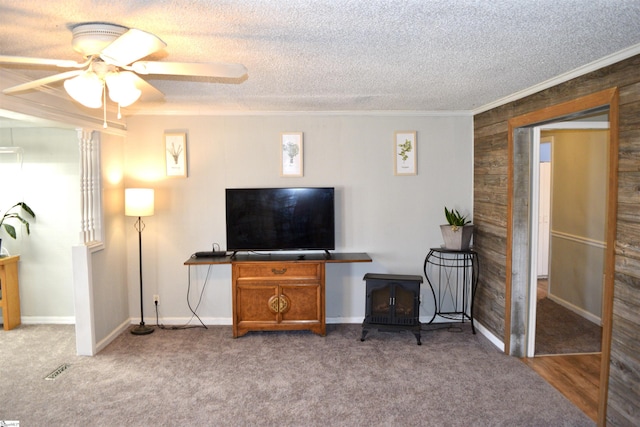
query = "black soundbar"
{"x": 210, "y": 254}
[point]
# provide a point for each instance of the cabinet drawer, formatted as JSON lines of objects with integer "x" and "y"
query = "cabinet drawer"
{"x": 269, "y": 270}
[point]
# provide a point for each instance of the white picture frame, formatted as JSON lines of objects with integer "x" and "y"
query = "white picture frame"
{"x": 405, "y": 153}
{"x": 175, "y": 150}
{"x": 291, "y": 154}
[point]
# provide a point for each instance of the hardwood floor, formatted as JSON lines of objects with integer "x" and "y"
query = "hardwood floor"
{"x": 576, "y": 376}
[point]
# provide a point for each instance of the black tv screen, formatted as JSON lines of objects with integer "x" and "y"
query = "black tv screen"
{"x": 279, "y": 219}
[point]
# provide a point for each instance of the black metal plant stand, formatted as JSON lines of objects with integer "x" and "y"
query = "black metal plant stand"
{"x": 454, "y": 273}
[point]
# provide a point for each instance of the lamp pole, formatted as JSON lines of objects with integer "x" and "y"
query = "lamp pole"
{"x": 141, "y": 329}
{"x": 138, "y": 203}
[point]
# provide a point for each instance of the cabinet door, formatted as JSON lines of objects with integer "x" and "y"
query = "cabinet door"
{"x": 304, "y": 302}
{"x": 252, "y": 302}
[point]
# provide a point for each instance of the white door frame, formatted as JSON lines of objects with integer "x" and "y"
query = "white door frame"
{"x": 535, "y": 213}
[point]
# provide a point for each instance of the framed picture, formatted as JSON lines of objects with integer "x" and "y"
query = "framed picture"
{"x": 175, "y": 150}
{"x": 405, "y": 153}
{"x": 291, "y": 154}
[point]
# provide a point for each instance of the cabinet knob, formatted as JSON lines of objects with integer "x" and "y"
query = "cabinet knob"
{"x": 278, "y": 304}
{"x": 276, "y": 271}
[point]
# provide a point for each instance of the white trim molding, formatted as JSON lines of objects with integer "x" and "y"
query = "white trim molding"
{"x": 580, "y": 71}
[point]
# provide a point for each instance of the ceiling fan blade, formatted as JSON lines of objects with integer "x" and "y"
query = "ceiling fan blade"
{"x": 42, "y": 81}
{"x": 149, "y": 93}
{"x": 131, "y": 46}
{"x": 62, "y": 63}
{"x": 190, "y": 69}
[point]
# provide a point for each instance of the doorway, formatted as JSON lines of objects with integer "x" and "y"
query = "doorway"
{"x": 520, "y": 226}
{"x": 570, "y": 185}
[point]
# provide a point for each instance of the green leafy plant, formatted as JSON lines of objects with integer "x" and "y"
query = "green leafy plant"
{"x": 455, "y": 219}
{"x": 404, "y": 150}
{"x": 13, "y": 213}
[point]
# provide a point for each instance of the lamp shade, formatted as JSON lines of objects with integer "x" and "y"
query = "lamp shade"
{"x": 138, "y": 201}
{"x": 122, "y": 88}
{"x": 86, "y": 89}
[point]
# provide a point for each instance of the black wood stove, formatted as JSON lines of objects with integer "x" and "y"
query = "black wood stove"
{"x": 393, "y": 304}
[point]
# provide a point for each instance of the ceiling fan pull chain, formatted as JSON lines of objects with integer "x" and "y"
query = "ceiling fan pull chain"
{"x": 104, "y": 106}
{"x": 119, "y": 115}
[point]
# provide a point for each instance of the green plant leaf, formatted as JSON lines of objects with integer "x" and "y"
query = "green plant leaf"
{"x": 11, "y": 231}
{"x": 454, "y": 218}
{"x": 11, "y": 214}
{"x": 27, "y": 209}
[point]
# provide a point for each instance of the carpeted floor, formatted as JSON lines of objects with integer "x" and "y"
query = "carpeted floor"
{"x": 204, "y": 377}
{"x": 561, "y": 331}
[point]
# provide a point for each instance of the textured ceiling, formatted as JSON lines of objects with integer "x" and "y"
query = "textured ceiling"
{"x": 343, "y": 55}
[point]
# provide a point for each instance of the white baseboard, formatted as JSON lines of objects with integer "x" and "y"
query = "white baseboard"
{"x": 48, "y": 320}
{"x": 489, "y": 335}
{"x": 344, "y": 320}
{"x": 107, "y": 340}
{"x": 177, "y": 321}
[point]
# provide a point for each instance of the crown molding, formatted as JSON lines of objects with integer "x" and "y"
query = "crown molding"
{"x": 399, "y": 113}
{"x": 580, "y": 71}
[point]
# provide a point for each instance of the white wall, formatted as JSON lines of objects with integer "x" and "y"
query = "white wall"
{"x": 578, "y": 219}
{"x": 109, "y": 278}
{"x": 50, "y": 186}
{"x": 393, "y": 218}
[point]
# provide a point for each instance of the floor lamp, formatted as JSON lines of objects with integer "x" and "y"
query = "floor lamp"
{"x": 139, "y": 202}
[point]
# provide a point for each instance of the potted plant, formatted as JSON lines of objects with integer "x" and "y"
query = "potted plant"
{"x": 457, "y": 232}
{"x": 13, "y": 213}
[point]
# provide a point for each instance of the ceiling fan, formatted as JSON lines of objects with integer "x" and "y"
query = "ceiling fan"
{"x": 112, "y": 63}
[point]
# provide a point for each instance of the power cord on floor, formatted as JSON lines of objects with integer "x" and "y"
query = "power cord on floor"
{"x": 193, "y": 311}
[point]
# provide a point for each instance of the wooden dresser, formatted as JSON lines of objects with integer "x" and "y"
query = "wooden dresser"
{"x": 279, "y": 292}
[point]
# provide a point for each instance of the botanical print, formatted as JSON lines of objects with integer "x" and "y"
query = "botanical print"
{"x": 404, "y": 149}
{"x": 174, "y": 151}
{"x": 291, "y": 149}
{"x": 291, "y": 154}
{"x": 175, "y": 154}
{"x": 405, "y": 153}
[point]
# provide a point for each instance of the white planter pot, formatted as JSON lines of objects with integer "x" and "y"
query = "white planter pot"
{"x": 459, "y": 239}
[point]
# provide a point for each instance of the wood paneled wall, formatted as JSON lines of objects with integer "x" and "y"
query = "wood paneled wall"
{"x": 490, "y": 219}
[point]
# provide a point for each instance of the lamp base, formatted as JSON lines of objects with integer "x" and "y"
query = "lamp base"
{"x": 141, "y": 329}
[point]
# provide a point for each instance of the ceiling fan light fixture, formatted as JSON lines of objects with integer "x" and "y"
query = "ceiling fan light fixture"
{"x": 114, "y": 55}
{"x": 122, "y": 88}
{"x": 89, "y": 38}
{"x": 131, "y": 46}
{"x": 86, "y": 89}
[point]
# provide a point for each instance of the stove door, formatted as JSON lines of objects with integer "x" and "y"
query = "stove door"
{"x": 392, "y": 302}
{"x": 379, "y": 303}
{"x": 406, "y": 301}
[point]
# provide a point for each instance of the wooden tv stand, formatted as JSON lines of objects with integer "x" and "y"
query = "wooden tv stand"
{"x": 279, "y": 292}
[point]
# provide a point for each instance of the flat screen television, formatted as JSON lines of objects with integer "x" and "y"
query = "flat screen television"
{"x": 280, "y": 219}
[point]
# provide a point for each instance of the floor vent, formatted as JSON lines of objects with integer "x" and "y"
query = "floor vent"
{"x": 60, "y": 369}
